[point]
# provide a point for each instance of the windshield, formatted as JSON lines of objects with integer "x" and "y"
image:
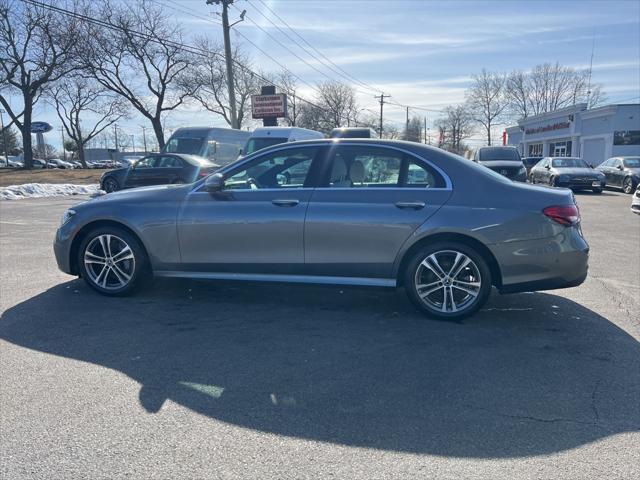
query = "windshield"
{"x": 569, "y": 163}
{"x": 258, "y": 143}
{"x": 633, "y": 162}
{"x": 488, "y": 154}
{"x": 190, "y": 145}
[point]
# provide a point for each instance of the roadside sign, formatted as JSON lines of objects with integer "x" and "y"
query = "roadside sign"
{"x": 40, "y": 127}
{"x": 269, "y": 106}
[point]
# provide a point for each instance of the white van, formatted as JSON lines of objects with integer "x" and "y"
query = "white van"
{"x": 219, "y": 145}
{"x": 263, "y": 137}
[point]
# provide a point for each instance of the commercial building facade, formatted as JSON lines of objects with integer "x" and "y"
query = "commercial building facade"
{"x": 594, "y": 134}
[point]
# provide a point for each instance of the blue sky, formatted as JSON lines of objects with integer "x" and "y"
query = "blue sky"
{"x": 423, "y": 52}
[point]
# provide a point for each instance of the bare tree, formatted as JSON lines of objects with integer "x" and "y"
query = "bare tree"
{"x": 486, "y": 100}
{"x": 550, "y": 87}
{"x": 338, "y": 101}
{"x": 413, "y": 130}
{"x": 140, "y": 57}
{"x": 288, "y": 84}
{"x": 78, "y": 96}
{"x": 36, "y": 47}
{"x": 207, "y": 80}
{"x": 455, "y": 126}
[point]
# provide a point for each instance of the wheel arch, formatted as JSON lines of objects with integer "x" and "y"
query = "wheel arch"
{"x": 82, "y": 233}
{"x": 482, "y": 249}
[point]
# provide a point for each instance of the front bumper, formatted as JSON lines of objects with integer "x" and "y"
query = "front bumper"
{"x": 561, "y": 261}
{"x": 62, "y": 249}
{"x": 581, "y": 184}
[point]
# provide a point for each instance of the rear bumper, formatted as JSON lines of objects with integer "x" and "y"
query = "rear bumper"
{"x": 561, "y": 261}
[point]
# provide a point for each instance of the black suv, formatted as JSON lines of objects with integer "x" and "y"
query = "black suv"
{"x": 504, "y": 160}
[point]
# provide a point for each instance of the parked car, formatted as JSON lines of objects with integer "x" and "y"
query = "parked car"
{"x": 128, "y": 160}
{"x": 357, "y": 218}
{"x": 530, "y": 162}
{"x": 263, "y": 137}
{"x": 635, "y": 201}
{"x": 504, "y": 160}
{"x": 569, "y": 172}
{"x": 218, "y": 145}
{"x": 58, "y": 163}
{"x": 352, "y": 132}
{"x": 621, "y": 172}
{"x": 157, "y": 169}
{"x": 38, "y": 163}
{"x": 104, "y": 164}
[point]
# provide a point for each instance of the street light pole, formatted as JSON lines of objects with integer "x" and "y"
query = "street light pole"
{"x": 4, "y": 137}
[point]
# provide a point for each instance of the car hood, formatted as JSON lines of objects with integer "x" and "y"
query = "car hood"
{"x": 635, "y": 171}
{"x": 500, "y": 163}
{"x": 589, "y": 172}
{"x": 155, "y": 193}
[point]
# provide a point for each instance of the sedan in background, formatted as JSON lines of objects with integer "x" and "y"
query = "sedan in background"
{"x": 530, "y": 162}
{"x": 360, "y": 212}
{"x": 569, "y": 172}
{"x": 158, "y": 169}
{"x": 504, "y": 160}
{"x": 621, "y": 172}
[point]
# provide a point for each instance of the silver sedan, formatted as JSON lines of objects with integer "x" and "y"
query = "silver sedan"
{"x": 344, "y": 212}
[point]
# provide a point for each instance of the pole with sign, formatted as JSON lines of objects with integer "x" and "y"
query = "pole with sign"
{"x": 269, "y": 106}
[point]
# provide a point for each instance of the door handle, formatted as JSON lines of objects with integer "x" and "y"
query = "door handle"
{"x": 411, "y": 205}
{"x": 285, "y": 202}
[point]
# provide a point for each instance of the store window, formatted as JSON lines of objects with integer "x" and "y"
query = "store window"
{"x": 560, "y": 149}
{"x": 626, "y": 137}
{"x": 535, "y": 150}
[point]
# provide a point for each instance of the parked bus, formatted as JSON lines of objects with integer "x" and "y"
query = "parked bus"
{"x": 219, "y": 145}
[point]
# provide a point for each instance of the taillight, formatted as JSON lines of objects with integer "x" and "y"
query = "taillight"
{"x": 565, "y": 215}
{"x": 204, "y": 173}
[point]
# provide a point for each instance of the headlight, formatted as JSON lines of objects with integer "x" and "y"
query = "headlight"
{"x": 66, "y": 216}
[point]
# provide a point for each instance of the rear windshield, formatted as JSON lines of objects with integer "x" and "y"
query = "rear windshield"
{"x": 258, "y": 143}
{"x": 569, "y": 163}
{"x": 488, "y": 154}
{"x": 633, "y": 162}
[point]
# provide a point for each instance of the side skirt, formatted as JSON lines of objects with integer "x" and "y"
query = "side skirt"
{"x": 260, "y": 277}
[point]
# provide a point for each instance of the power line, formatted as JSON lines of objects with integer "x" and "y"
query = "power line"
{"x": 325, "y": 61}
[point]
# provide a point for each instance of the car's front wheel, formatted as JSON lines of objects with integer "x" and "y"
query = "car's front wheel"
{"x": 448, "y": 281}
{"x": 628, "y": 186}
{"x": 110, "y": 184}
{"x": 112, "y": 261}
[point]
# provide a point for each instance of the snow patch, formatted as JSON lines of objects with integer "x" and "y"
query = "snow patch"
{"x": 39, "y": 190}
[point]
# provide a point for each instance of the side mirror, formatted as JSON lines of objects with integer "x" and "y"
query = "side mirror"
{"x": 214, "y": 183}
{"x": 239, "y": 151}
{"x": 620, "y": 167}
{"x": 547, "y": 167}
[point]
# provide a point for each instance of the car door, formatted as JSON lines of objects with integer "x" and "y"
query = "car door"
{"x": 540, "y": 170}
{"x": 605, "y": 169}
{"x": 616, "y": 173}
{"x": 370, "y": 200}
{"x": 256, "y": 223}
{"x": 168, "y": 169}
{"x": 142, "y": 173}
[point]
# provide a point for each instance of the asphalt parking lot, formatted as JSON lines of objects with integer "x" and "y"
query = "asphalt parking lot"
{"x": 213, "y": 380}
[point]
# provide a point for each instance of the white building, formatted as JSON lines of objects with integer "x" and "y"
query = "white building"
{"x": 595, "y": 134}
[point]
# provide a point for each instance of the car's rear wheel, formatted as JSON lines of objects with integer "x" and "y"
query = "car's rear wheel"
{"x": 112, "y": 261}
{"x": 596, "y": 190}
{"x": 110, "y": 184}
{"x": 627, "y": 185}
{"x": 448, "y": 281}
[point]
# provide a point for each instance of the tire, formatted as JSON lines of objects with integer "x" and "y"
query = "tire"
{"x": 628, "y": 185}
{"x": 110, "y": 184}
{"x": 126, "y": 269}
{"x": 531, "y": 179}
{"x": 552, "y": 181}
{"x": 436, "y": 301}
{"x": 596, "y": 190}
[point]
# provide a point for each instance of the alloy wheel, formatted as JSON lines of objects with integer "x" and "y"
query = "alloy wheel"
{"x": 109, "y": 262}
{"x": 110, "y": 185}
{"x": 448, "y": 281}
{"x": 627, "y": 185}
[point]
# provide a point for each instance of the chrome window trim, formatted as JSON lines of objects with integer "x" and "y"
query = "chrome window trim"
{"x": 289, "y": 146}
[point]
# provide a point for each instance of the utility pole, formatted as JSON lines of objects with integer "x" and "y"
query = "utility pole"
{"x": 133, "y": 143}
{"x": 425, "y": 130}
{"x": 227, "y": 55}
{"x": 4, "y": 138}
{"x": 64, "y": 151}
{"x": 406, "y": 129}
{"x": 115, "y": 132}
{"x": 381, "y": 98}
{"x": 144, "y": 138}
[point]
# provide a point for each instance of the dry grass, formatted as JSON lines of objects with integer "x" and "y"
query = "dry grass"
{"x": 79, "y": 176}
